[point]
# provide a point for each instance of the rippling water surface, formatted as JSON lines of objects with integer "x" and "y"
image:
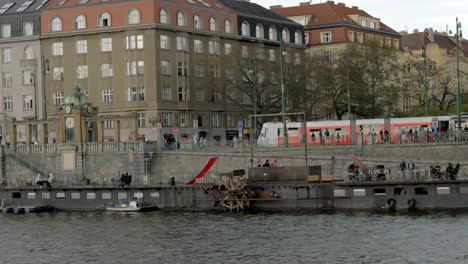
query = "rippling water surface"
{"x": 196, "y": 237}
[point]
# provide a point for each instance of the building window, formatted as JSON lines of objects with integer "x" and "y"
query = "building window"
{"x": 272, "y": 34}
{"x": 166, "y": 119}
{"x": 298, "y": 37}
{"x": 27, "y": 102}
{"x": 6, "y": 31}
{"x": 165, "y": 67}
{"x": 326, "y": 37}
{"x": 134, "y": 42}
{"x": 106, "y": 44}
{"x": 360, "y": 37}
{"x": 372, "y": 24}
{"x": 364, "y": 23}
{"x": 183, "y": 94}
{"x": 245, "y": 29}
{"x": 215, "y": 120}
{"x": 199, "y": 71}
{"x": 327, "y": 55}
{"x": 82, "y": 71}
{"x": 396, "y": 44}
{"x": 163, "y": 17}
{"x": 57, "y": 49}
{"x": 227, "y": 49}
{"x": 214, "y": 71}
{"x": 107, "y": 96}
{"x": 259, "y": 31}
{"x": 56, "y": 24}
{"x": 182, "y": 69}
{"x": 213, "y": 47}
{"x": 104, "y": 20}
{"x": 28, "y": 77}
{"x": 81, "y": 46}
{"x": 133, "y": 17}
{"x": 197, "y": 23}
{"x": 108, "y": 124}
{"x": 6, "y": 55}
{"x": 80, "y": 22}
{"x": 135, "y": 68}
{"x": 8, "y": 103}
{"x": 166, "y": 91}
{"x": 28, "y": 53}
{"x": 141, "y": 119}
{"x": 183, "y": 119}
{"x": 272, "y": 55}
{"x": 28, "y": 29}
{"x": 181, "y": 19}
{"x": 197, "y": 46}
{"x": 106, "y": 70}
{"x": 7, "y": 79}
{"x": 245, "y": 52}
{"x": 58, "y": 98}
{"x": 259, "y": 53}
{"x": 182, "y": 44}
{"x": 213, "y": 24}
{"x": 286, "y": 36}
{"x": 227, "y": 26}
{"x": 164, "y": 42}
{"x": 297, "y": 58}
{"x": 351, "y": 36}
{"x": 136, "y": 94}
{"x": 57, "y": 74}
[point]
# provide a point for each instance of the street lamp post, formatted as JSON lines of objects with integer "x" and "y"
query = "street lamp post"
{"x": 458, "y": 75}
{"x": 283, "y": 97}
{"x": 254, "y": 78}
{"x": 347, "y": 88}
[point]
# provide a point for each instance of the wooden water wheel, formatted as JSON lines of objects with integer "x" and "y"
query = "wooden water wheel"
{"x": 231, "y": 193}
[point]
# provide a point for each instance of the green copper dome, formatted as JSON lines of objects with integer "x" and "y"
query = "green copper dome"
{"x": 77, "y": 99}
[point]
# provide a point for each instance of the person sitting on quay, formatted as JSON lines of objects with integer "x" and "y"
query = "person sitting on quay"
{"x": 267, "y": 164}
{"x": 274, "y": 164}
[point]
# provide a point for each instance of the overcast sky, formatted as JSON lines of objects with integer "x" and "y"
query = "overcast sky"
{"x": 403, "y": 14}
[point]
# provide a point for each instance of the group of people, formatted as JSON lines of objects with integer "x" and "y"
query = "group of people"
{"x": 449, "y": 174}
{"x": 43, "y": 181}
{"x": 170, "y": 143}
{"x": 125, "y": 179}
{"x": 267, "y": 164}
{"x": 410, "y": 167}
{"x": 326, "y": 137}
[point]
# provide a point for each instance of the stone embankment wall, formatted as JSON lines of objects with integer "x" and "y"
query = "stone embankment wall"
{"x": 100, "y": 163}
{"x": 183, "y": 165}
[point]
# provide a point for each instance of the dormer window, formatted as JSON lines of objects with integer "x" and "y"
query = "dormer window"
{"x": 213, "y": 24}
{"x": 326, "y": 37}
{"x": 372, "y": 24}
{"x": 133, "y": 17}
{"x": 286, "y": 36}
{"x": 298, "y": 37}
{"x": 197, "y": 22}
{"x": 56, "y": 24}
{"x": 181, "y": 19}
{"x": 227, "y": 26}
{"x": 245, "y": 29}
{"x": 364, "y": 23}
{"x": 104, "y": 20}
{"x": 80, "y": 22}
{"x": 259, "y": 31}
{"x": 163, "y": 17}
{"x": 272, "y": 34}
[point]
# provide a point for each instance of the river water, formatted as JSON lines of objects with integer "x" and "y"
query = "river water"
{"x": 201, "y": 237}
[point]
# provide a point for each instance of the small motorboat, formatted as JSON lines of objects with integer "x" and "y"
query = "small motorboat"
{"x": 133, "y": 205}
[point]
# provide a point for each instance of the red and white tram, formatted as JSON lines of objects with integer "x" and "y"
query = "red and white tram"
{"x": 346, "y": 132}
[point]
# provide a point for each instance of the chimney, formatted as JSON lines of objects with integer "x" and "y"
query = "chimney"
{"x": 341, "y": 4}
{"x": 304, "y": 3}
{"x": 331, "y": 2}
{"x": 355, "y": 7}
{"x": 275, "y": 7}
{"x": 430, "y": 34}
{"x": 404, "y": 32}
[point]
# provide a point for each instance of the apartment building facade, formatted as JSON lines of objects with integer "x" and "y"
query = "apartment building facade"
{"x": 165, "y": 61}
{"x": 21, "y": 62}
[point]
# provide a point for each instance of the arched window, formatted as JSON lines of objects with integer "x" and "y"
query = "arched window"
{"x": 181, "y": 19}
{"x": 272, "y": 33}
{"x": 133, "y": 17}
{"x": 197, "y": 23}
{"x": 245, "y": 29}
{"x": 56, "y": 24}
{"x": 28, "y": 53}
{"x": 80, "y": 22}
{"x": 227, "y": 26}
{"x": 104, "y": 20}
{"x": 213, "y": 24}
{"x": 286, "y": 37}
{"x": 163, "y": 17}
{"x": 259, "y": 31}
{"x": 298, "y": 37}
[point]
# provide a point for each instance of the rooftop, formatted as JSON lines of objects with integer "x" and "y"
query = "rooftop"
{"x": 21, "y": 6}
{"x": 328, "y": 13}
{"x": 246, "y": 8}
